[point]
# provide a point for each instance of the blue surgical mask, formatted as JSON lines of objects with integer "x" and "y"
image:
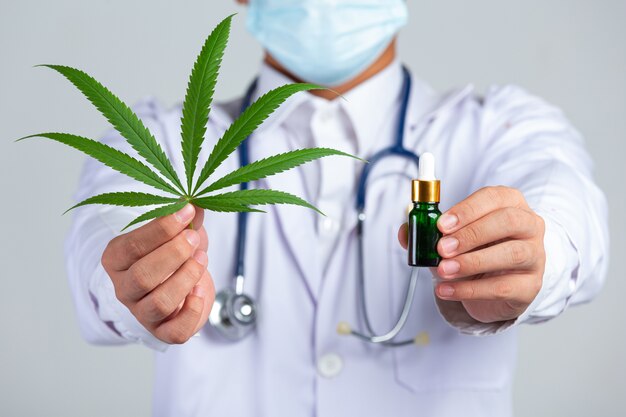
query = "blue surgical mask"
{"x": 327, "y": 42}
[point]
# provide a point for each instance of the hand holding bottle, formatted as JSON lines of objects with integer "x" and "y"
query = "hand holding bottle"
{"x": 493, "y": 255}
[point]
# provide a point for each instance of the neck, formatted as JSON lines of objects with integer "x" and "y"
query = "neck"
{"x": 380, "y": 64}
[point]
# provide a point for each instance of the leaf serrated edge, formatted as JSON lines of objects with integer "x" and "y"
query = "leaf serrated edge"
{"x": 260, "y": 196}
{"x": 210, "y": 57}
{"x": 129, "y": 162}
{"x": 158, "y": 212}
{"x": 147, "y": 146}
{"x": 246, "y": 123}
{"x": 127, "y": 199}
{"x": 272, "y": 165}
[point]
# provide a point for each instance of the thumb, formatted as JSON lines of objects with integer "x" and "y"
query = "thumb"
{"x": 403, "y": 235}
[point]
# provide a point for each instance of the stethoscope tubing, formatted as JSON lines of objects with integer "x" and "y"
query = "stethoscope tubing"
{"x": 397, "y": 150}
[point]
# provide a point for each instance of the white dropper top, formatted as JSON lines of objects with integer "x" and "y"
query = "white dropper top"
{"x": 426, "y": 170}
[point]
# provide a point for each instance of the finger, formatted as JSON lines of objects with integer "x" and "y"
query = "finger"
{"x": 505, "y": 256}
{"x": 198, "y": 225}
{"x": 478, "y": 205}
{"x": 126, "y": 249}
{"x": 508, "y": 222}
{"x": 165, "y": 298}
{"x": 198, "y": 219}
{"x": 205, "y": 286}
{"x": 179, "y": 329}
{"x": 513, "y": 288}
{"x": 403, "y": 235}
{"x": 151, "y": 270}
{"x": 204, "y": 239}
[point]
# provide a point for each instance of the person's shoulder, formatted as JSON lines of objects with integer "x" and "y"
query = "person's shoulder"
{"x": 500, "y": 115}
{"x": 495, "y": 98}
{"x": 509, "y": 115}
{"x": 500, "y": 105}
{"x": 511, "y": 98}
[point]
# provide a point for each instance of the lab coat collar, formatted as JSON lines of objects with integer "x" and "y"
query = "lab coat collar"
{"x": 368, "y": 103}
{"x": 365, "y": 115}
{"x": 269, "y": 79}
{"x": 425, "y": 103}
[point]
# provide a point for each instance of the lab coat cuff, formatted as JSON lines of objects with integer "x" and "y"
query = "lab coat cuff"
{"x": 561, "y": 273}
{"x": 457, "y": 316}
{"x": 111, "y": 310}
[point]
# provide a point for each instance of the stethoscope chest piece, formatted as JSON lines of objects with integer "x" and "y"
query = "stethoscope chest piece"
{"x": 233, "y": 315}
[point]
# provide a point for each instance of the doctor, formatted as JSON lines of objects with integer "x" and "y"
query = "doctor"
{"x": 525, "y": 236}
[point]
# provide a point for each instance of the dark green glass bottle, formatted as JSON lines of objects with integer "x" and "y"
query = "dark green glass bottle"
{"x": 423, "y": 232}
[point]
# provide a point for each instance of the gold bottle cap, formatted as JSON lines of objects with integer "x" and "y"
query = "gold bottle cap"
{"x": 425, "y": 191}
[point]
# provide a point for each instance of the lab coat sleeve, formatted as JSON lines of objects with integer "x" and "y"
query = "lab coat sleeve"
{"x": 103, "y": 319}
{"x": 529, "y": 145}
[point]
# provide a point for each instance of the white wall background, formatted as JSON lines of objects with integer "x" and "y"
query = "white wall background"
{"x": 572, "y": 52}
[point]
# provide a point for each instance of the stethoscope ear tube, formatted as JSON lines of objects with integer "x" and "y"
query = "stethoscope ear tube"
{"x": 234, "y": 313}
{"x": 397, "y": 150}
{"x": 386, "y": 339}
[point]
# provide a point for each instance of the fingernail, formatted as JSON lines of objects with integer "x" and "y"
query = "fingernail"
{"x": 448, "y": 221}
{"x": 185, "y": 214}
{"x": 192, "y": 237}
{"x": 200, "y": 257}
{"x": 199, "y": 291}
{"x": 449, "y": 244}
{"x": 450, "y": 267}
{"x": 446, "y": 290}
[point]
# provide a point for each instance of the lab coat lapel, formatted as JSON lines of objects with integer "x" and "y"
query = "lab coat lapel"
{"x": 296, "y": 223}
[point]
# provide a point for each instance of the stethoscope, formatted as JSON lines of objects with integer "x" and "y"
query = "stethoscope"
{"x": 234, "y": 313}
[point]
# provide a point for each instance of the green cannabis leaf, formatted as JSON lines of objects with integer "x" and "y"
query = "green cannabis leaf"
{"x": 194, "y": 120}
{"x": 199, "y": 96}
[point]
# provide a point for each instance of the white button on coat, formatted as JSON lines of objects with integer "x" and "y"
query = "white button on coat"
{"x": 329, "y": 365}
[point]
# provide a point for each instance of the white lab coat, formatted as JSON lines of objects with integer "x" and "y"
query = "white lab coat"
{"x": 295, "y": 364}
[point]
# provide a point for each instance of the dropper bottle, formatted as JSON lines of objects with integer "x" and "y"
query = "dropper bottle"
{"x": 423, "y": 232}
